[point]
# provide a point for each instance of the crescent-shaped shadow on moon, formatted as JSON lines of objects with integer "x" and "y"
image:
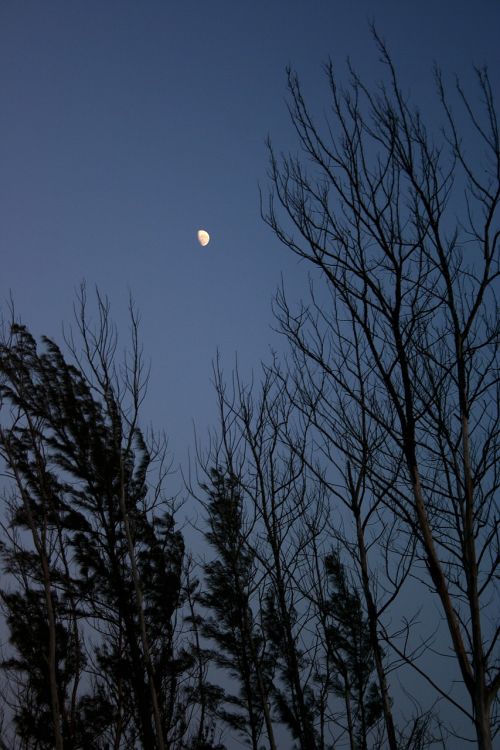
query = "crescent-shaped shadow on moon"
{"x": 203, "y": 237}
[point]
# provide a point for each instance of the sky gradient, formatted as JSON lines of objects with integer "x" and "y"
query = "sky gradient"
{"x": 126, "y": 126}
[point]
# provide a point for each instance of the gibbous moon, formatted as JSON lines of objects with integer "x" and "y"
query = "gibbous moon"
{"x": 203, "y": 237}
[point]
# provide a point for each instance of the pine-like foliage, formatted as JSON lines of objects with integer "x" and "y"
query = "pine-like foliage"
{"x": 351, "y": 653}
{"x": 102, "y": 554}
{"x": 230, "y": 583}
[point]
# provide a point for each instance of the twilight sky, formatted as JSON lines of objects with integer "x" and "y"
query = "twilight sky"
{"x": 125, "y": 126}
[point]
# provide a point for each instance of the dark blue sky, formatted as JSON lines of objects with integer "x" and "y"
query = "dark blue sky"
{"x": 125, "y": 126}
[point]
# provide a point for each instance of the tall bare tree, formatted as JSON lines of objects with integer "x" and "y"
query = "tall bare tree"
{"x": 402, "y": 229}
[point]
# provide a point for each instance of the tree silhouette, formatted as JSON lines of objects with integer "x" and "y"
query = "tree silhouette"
{"x": 361, "y": 468}
{"x": 402, "y": 342}
{"x": 351, "y": 653}
{"x": 101, "y": 543}
{"x": 230, "y": 587}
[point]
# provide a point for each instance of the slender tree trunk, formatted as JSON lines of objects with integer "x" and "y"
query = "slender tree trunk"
{"x": 72, "y": 724}
{"x": 473, "y": 682}
{"x": 479, "y": 697}
{"x": 47, "y": 586}
{"x": 348, "y": 711}
{"x": 138, "y": 682}
{"x": 263, "y": 696}
{"x": 245, "y": 671}
{"x": 307, "y": 740}
{"x": 375, "y": 644}
{"x": 482, "y": 723}
{"x": 140, "y": 614}
{"x": 473, "y": 674}
{"x": 265, "y": 709}
{"x": 200, "y": 663}
{"x": 54, "y": 693}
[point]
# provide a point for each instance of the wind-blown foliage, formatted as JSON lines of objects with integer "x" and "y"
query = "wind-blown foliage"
{"x": 229, "y": 598}
{"x": 108, "y": 554}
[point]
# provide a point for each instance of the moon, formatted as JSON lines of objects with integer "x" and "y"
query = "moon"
{"x": 203, "y": 237}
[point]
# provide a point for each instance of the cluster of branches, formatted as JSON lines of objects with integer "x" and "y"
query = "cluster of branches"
{"x": 94, "y": 567}
{"x": 394, "y": 360}
{"x": 286, "y": 614}
{"x": 358, "y": 475}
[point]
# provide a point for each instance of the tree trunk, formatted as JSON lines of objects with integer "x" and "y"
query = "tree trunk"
{"x": 372, "y": 623}
{"x": 482, "y": 723}
{"x": 47, "y": 585}
{"x": 140, "y": 613}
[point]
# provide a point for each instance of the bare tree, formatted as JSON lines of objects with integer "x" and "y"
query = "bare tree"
{"x": 375, "y": 543}
{"x": 273, "y": 492}
{"x": 401, "y": 227}
{"x": 320, "y": 632}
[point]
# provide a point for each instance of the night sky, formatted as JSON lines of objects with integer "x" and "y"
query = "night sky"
{"x": 127, "y": 126}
